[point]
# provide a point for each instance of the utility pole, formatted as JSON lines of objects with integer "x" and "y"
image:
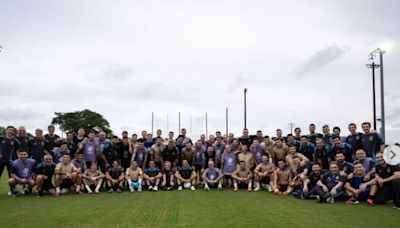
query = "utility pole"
{"x": 373, "y": 66}
{"x": 245, "y": 108}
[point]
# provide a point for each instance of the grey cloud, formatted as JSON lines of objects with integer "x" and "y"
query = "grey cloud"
{"x": 116, "y": 72}
{"x": 322, "y": 58}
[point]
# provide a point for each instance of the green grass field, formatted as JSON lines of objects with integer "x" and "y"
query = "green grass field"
{"x": 186, "y": 209}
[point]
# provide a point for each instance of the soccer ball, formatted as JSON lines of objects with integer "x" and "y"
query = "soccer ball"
{"x": 135, "y": 185}
{"x": 187, "y": 185}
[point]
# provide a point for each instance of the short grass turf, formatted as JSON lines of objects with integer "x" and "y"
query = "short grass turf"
{"x": 186, "y": 209}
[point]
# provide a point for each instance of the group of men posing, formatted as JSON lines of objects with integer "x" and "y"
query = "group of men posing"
{"x": 325, "y": 166}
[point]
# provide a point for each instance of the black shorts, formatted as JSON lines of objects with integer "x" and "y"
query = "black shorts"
{"x": 47, "y": 185}
{"x": 228, "y": 176}
{"x": 283, "y": 187}
{"x": 198, "y": 168}
{"x": 158, "y": 164}
{"x": 67, "y": 183}
{"x": 266, "y": 180}
{"x": 242, "y": 185}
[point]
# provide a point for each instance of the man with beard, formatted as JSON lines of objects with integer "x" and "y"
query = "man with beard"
{"x": 372, "y": 141}
{"x": 264, "y": 174}
{"x": 199, "y": 161}
{"x": 322, "y": 154}
{"x": 8, "y": 150}
{"x": 368, "y": 163}
{"x": 291, "y": 155}
{"x": 354, "y": 139}
{"x": 66, "y": 176}
{"x": 387, "y": 178}
{"x": 79, "y": 164}
{"x": 282, "y": 178}
{"x": 93, "y": 179}
{"x": 22, "y": 173}
{"x": 312, "y": 136}
{"x": 170, "y": 153}
{"x": 297, "y": 134}
{"x": 38, "y": 146}
{"x": 125, "y": 153}
{"x": 44, "y": 175}
{"x": 331, "y": 185}
{"x": 72, "y": 144}
{"x": 310, "y": 184}
{"x": 291, "y": 141}
{"x": 242, "y": 178}
{"x": 344, "y": 166}
{"x": 245, "y": 139}
{"x": 58, "y": 152}
{"x": 345, "y": 148}
{"x": 103, "y": 143}
{"x": 168, "y": 177}
{"x": 326, "y": 135}
{"x": 307, "y": 148}
{"x": 112, "y": 152}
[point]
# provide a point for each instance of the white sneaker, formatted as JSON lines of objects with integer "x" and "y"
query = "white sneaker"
{"x": 139, "y": 189}
{"x": 155, "y": 188}
{"x": 206, "y": 188}
{"x": 132, "y": 190}
{"x": 64, "y": 191}
{"x": 269, "y": 188}
{"x": 180, "y": 188}
{"x": 150, "y": 188}
{"x": 219, "y": 188}
{"x": 256, "y": 189}
{"x": 192, "y": 188}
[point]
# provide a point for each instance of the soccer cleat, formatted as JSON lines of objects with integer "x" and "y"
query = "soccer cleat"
{"x": 155, "y": 188}
{"x": 132, "y": 190}
{"x": 330, "y": 200}
{"x": 352, "y": 201}
{"x": 192, "y": 188}
{"x": 206, "y": 188}
{"x": 235, "y": 189}
{"x": 111, "y": 190}
{"x": 180, "y": 188}
{"x": 139, "y": 190}
{"x": 370, "y": 202}
{"x": 119, "y": 190}
{"x": 64, "y": 191}
{"x": 396, "y": 207}
{"x": 301, "y": 196}
{"x": 39, "y": 193}
{"x": 269, "y": 188}
{"x": 257, "y": 188}
{"x": 96, "y": 192}
{"x": 318, "y": 198}
{"x": 219, "y": 188}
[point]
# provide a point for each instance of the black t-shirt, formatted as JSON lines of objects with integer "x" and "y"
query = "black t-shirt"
{"x": 347, "y": 167}
{"x": 387, "y": 171}
{"x": 52, "y": 141}
{"x": 23, "y": 143}
{"x": 371, "y": 143}
{"x": 246, "y": 141}
{"x": 331, "y": 180}
{"x": 167, "y": 173}
{"x": 37, "y": 148}
{"x": 307, "y": 151}
{"x": 47, "y": 170}
{"x": 8, "y": 148}
{"x": 355, "y": 141}
{"x": 115, "y": 172}
{"x": 73, "y": 147}
{"x": 314, "y": 178}
{"x": 209, "y": 157}
{"x": 112, "y": 153}
{"x": 169, "y": 155}
{"x": 323, "y": 154}
{"x": 152, "y": 172}
{"x": 313, "y": 137}
{"x": 185, "y": 172}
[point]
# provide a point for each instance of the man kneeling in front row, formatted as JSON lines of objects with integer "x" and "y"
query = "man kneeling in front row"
{"x": 21, "y": 173}
{"x": 212, "y": 177}
{"x": 186, "y": 176}
{"x": 242, "y": 178}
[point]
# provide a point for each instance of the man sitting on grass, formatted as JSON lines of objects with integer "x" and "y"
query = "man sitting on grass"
{"x": 152, "y": 176}
{"x": 242, "y": 178}
{"x": 282, "y": 178}
{"x": 21, "y": 173}
{"x": 93, "y": 178}
{"x": 134, "y": 177}
{"x": 115, "y": 177}
{"x": 167, "y": 179}
{"x": 331, "y": 185}
{"x": 66, "y": 176}
{"x": 264, "y": 174}
{"x": 310, "y": 184}
{"x": 186, "y": 176}
{"x": 357, "y": 188}
{"x": 212, "y": 177}
{"x": 44, "y": 175}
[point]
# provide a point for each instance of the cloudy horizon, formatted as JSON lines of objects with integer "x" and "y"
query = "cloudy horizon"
{"x": 302, "y": 62}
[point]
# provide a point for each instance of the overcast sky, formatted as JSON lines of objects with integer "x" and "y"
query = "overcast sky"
{"x": 302, "y": 62}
